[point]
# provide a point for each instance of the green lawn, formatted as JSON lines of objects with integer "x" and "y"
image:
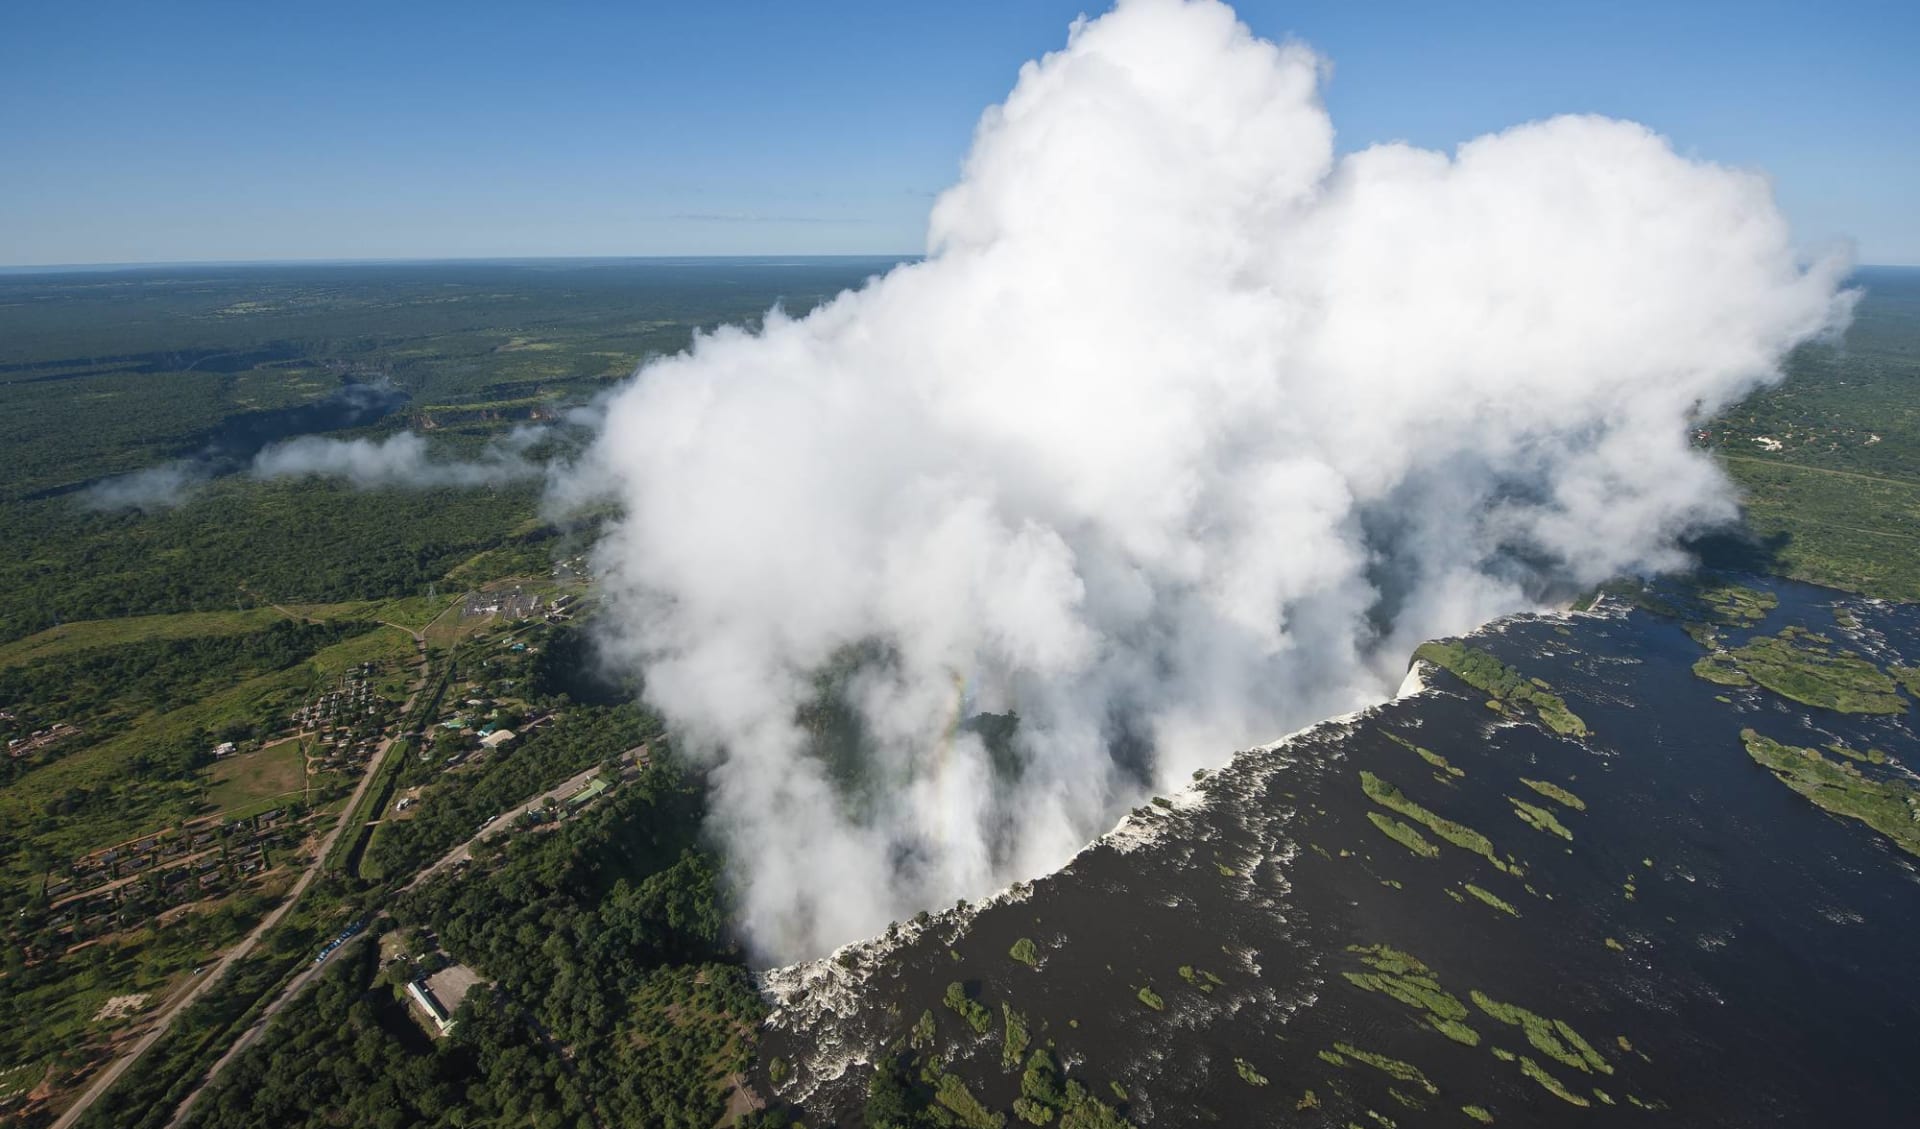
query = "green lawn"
{"x": 245, "y": 779}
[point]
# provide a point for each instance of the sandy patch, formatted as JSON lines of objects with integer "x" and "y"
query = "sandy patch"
{"x": 119, "y": 1007}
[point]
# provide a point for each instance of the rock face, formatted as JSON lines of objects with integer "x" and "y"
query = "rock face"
{"x": 1433, "y": 913}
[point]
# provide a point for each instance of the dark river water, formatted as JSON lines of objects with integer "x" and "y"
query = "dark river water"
{"x": 1765, "y": 968}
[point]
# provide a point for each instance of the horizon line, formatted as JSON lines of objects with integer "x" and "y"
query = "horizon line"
{"x": 162, "y": 264}
{"x": 68, "y": 268}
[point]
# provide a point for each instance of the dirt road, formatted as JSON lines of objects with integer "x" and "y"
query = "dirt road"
{"x": 504, "y": 820}
{"x": 239, "y": 952}
{"x": 501, "y": 823}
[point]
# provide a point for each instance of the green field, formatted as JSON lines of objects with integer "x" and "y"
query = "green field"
{"x": 245, "y": 780}
{"x": 1838, "y": 501}
{"x": 105, "y": 792}
{"x": 88, "y": 635}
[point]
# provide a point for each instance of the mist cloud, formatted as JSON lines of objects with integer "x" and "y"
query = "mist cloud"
{"x": 1181, "y": 436}
{"x": 234, "y": 442}
{"x": 153, "y": 488}
{"x": 399, "y": 460}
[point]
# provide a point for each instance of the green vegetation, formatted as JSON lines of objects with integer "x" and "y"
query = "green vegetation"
{"x": 48, "y": 1008}
{"x": 349, "y": 850}
{"x": 898, "y": 1097}
{"x": 1151, "y": 998}
{"x": 1539, "y": 818}
{"x": 1871, "y": 756}
{"x": 1425, "y": 754}
{"x": 967, "y": 1008}
{"x": 1796, "y": 665}
{"x": 1205, "y": 981}
{"x": 1248, "y": 1074}
{"x": 182, "y": 826}
{"x": 1834, "y": 495}
{"x": 1556, "y": 793}
{"x": 1888, "y": 806}
{"x": 1508, "y": 686}
{"x": 1551, "y": 1037}
{"x": 150, "y": 774}
{"x": 161, "y": 633}
{"x": 145, "y": 1096}
{"x": 1737, "y": 604}
{"x": 1493, "y": 899}
{"x": 1404, "y": 835}
{"x": 247, "y": 779}
{"x": 1017, "y": 1038}
{"x": 1401, "y": 976}
{"x": 631, "y": 973}
{"x": 452, "y": 807}
{"x": 1551, "y": 1084}
{"x": 1478, "y": 1113}
{"x": 99, "y": 635}
{"x": 1466, "y": 838}
{"x": 1392, "y": 1067}
{"x": 952, "y": 1093}
{"x": 1721, "y": 668}
{"x": 1025, "y": 952}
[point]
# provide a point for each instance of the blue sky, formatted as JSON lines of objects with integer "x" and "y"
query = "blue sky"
{"x": 139, "y": 132}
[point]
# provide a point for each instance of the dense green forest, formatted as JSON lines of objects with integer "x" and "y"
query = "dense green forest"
{"x": 115, "y": 684}
{"x": 582, "y": 738}
{"x": 243, "y": 543}
{"x": 604, "y": 935}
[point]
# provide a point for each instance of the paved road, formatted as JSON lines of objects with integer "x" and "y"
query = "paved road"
{"x": 504, "y": 821}
{"x": 253, "y": 1032}
{"x": 165, "y": 1019}
{"x": 501, "y": 823}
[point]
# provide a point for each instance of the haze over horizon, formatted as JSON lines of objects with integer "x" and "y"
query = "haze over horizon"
{"x": 214, "y": 134}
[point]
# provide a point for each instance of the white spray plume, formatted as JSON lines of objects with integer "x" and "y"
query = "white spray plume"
{"x": 1180, "y": 436}
{"x": 149, "y": 489}
{"x": 398, "y": 460}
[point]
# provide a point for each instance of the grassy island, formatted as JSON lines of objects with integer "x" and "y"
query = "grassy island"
{"x": 1556, "y": 793}
{"x": 1425, "y": 754}
{"x": 1539, "y": 818}
{"x": 1797, "y": 664}
{"x": 1383, "y": 792}
{"x": 1509, "y": 688}
{"x": 1887, "y": 806}
{"x": 1736, "y": 604}
{"x": 1401, "y": 976}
